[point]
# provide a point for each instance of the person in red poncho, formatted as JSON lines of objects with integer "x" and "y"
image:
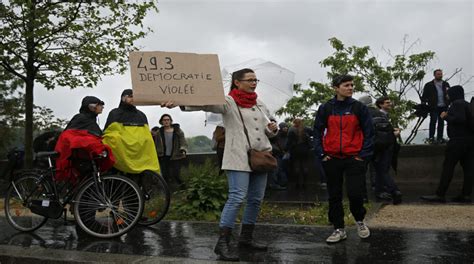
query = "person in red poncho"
{"x": 80, "y": 142}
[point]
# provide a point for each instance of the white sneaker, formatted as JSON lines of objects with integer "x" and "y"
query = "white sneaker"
{"x": 362, "y": 230}
{"x": 336, "y": 236}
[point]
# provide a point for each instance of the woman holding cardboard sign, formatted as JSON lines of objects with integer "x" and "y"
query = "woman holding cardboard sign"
{"x": 247, "y": 124}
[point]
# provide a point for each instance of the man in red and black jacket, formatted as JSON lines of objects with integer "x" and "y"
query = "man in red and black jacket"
{"x": 343, "y": 136}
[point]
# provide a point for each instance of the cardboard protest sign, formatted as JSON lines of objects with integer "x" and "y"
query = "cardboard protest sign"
{"x": 184, "y": 78}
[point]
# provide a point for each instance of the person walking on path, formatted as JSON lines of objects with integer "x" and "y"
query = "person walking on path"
{"x": 241, "y": 111}
{"x": 434, "y": 94}
{"x": 460, "y": 147}
{"x": 343, "y": 134}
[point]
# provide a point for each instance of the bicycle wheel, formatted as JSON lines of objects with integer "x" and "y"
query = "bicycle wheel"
{"x": 109, "y": 208}
{"x": 156, "y": 196}
{"x": 20, "y": 193}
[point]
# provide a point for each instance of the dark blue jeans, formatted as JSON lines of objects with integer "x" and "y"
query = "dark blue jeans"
{"x": 243, "y": 186}
{"x": 435, "y": 118}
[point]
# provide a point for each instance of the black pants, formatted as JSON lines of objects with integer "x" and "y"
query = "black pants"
{"x": 382, "y": 161}
{"x": 220, "y": 157}
{"x": 301, "y": 166}
{"x": 435, "y": 118}
{"x": 461, "y": 151}
{"x": 354, "y": 171}
{"x": 170, "y": 169}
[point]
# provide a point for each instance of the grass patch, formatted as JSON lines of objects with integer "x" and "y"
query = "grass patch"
{"x": 315, "y": 214}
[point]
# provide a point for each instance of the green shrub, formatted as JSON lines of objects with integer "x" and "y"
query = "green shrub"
{"x": 205, "y": 193}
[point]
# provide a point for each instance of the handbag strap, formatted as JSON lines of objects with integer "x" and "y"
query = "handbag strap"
{"x": 264, "y": 115}
{"x": 245, "y": 128}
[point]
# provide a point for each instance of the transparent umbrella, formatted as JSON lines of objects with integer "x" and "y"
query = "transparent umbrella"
{"x": 274, "y": 89}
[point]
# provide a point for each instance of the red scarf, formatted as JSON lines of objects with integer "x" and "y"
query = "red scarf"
{"x": 243, "y": 99}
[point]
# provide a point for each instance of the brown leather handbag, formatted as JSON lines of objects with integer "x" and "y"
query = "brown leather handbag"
{"x": 259, "y": 161}
{"x": 262, "y": 161}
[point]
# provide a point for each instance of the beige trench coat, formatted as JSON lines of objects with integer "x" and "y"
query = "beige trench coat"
{"x": 236, "y": 145}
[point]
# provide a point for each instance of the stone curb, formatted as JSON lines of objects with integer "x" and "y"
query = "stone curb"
{"x": 39, "y": 255}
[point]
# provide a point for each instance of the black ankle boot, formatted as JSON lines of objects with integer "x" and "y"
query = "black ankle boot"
{"x": 246, "y": 239}
{"x": 224, "y": 248}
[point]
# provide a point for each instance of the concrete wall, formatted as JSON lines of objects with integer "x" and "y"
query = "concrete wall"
{"x": 416, "y": 163}
{"x": 423, "y": 164}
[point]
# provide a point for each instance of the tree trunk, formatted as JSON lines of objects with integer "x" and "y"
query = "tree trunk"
{"x": 29, "y": 85}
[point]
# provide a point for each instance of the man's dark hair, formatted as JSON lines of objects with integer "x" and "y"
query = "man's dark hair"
{"x": 380, "y": 101}
{"x": 238, "y": 75}
{"x": 163, "y": 116}
{"x": 338, "y": 79}
{"x": 434, "y": 72}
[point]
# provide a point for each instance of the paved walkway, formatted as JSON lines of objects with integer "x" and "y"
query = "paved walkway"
{"x": 185, "y": 242}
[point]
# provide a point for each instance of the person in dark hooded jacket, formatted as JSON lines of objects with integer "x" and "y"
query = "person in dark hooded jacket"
{"x": 80, "y": 141}
{"x": 91, "y": 106}
{"x": 460, "y": 147}
{"x": 127, "y": 133}
{"x": 126, "y": 113}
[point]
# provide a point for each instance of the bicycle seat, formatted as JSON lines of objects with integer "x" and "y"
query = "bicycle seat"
{"x": 47, "y": 154}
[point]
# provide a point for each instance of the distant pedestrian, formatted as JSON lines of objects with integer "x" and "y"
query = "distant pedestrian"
{"x": 435, "y": 95}
{"x": 171, "y": 147}
{"x": 460, "y": 147}
{"x": 384, "y": 143}
{"x": 301, "y": 148}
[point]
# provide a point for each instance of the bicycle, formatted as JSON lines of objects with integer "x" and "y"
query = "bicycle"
{"x": 156, "y": 196}
{"x": 104, "y": 206}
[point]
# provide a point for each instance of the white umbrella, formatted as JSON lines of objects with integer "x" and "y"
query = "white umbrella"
{"x": 274, "y": 89}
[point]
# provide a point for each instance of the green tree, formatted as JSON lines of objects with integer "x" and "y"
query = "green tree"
{"x": 404, "y": 73}
{"x": 304, "y": 104}
{"x": 9, "y": 110}
{"x": 199, "y": 144}
{"x": 12, "y": 120}
{"x": 70, "y": 44}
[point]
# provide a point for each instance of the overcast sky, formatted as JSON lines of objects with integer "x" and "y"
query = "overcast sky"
{"x": 293, "y": 34}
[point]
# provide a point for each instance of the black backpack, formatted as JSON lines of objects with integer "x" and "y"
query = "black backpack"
{"x": 383, "y": 131}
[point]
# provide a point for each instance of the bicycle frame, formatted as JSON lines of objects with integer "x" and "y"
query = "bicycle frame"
{"x": 46, "y": 177}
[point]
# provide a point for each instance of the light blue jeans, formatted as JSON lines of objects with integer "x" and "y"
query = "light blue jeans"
{"x": 243, "y": 184}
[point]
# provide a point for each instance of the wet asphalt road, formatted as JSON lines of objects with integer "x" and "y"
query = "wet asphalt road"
{"x": 287, "y": 244}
